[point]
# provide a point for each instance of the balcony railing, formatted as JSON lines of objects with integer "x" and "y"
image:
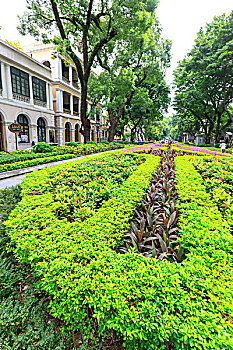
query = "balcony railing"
{"x": 40, "y": 103}
{"x": 21, "y": 98}
{"x": 65, "y": 80}
{"x": 67, "y": 111}
{"x": 75, "y": 85}
{"x": 76, "y": 113}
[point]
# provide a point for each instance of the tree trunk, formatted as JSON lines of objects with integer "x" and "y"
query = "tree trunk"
{"x": 217, "y": 135}
{"x": 132, "y": 134}
{"x": 86, "y": 125}
{"x": 113, "y": 126}
{"x": 112, "y": 131}
{"x": 114, "y": 121}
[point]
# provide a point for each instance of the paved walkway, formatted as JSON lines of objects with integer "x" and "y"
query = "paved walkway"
{"x": 16, "y": 179}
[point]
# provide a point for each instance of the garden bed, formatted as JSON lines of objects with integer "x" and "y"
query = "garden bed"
{"x": 217, "y": 175}
{"x": 143, "y": 302}
{"x": 23, "y": 159}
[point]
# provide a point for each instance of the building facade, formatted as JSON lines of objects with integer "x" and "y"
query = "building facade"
{"x": 66, "y": 97}
{"x": 25, "y": 97}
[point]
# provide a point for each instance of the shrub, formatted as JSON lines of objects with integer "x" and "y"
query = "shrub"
{"x": 33, "y": 162}
{"x": 42, "y": 147}
{"x": 91, "y": 143}
{"x": 151, "y": 304}
{"x": 23, "y": 315}
{"x": 105, "y": 142}
{"x": 72, "y": 144}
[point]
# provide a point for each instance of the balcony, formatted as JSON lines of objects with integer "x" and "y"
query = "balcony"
{"x": 75, "y": 85}
{"x": 76, "y": 113}
{"x": 66, "y": 80}
{"x": 21, "y": 98}
{"x": 66, "y": 110}
{"x": 40, "y": 103}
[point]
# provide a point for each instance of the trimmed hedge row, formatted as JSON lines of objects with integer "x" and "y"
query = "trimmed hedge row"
{"x": 26, "y": 159}
{"x": 24, "y": 322}
{"x": 36, "y": 161}
{"x": 151, "y": 304}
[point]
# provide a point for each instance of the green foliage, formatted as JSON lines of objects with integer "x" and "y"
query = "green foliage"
{"x": 24, "y": 322}
{"x": 42, "y": 147}
{"x": 217, "y": 177}
{"x": 92, "y": 143}
{"x": 105, "y": 142}
{"x": 72, "y": 144}
{"x": 154, "y": 230}
{"x": 33, "y": 162}
{"x": 99, "y": 30}
{"x": 79, "y": 191}
{"x": 203, "y": 81}
{"x": 22, "y": 159}
{"x": 150, "y": 304}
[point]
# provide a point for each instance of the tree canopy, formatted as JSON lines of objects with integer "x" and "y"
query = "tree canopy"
{"x": 203, "y": 80}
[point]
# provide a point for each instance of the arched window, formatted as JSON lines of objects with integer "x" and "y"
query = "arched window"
{"x": 77, "y": 133}
{"x": 41, "y": 131}
{"x": 23, "y": 136}
{"x": 67, "y": 132}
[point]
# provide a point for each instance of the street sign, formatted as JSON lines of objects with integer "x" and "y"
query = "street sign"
{"x": 15, "y": 128}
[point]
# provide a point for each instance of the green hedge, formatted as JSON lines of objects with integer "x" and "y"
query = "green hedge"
{"x": 33, "y": 162}
{"x": 23, "y": 158}
{"x": 151, "y": 304}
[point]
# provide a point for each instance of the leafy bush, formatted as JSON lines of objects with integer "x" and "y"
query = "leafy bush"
{"x": 219, "y": 144}
{"x": 42, "y": 147}
{"x": 80, "y": 190}
{"x": 154, "y": 230}
{"x": 72, "y": 144}
{"x": 105, "y": 142}
{"x": 91, "y": 143}
{"x": 33, "y": 162}
{"x": 217, "y": 174}
{"x": 24, "y": 320}
{"x": 22, "y": 159}
{"x": 148, "y": 303}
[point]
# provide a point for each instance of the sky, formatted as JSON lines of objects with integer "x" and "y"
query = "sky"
{"x": 180, "y": 20}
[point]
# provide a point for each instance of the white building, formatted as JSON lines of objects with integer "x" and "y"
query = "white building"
{"x": 26, "y": 98}
{"x": 66, "y": 97}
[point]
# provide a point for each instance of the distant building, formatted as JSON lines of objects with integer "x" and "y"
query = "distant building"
{"x": 66, "y": 97}
{"x": 26, "y": 98}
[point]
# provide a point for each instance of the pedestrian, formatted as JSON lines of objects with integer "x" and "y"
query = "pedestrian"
{"x": 223, "y": 147}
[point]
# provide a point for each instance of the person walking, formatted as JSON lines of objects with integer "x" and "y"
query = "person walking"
{"x": 223, "y": 147}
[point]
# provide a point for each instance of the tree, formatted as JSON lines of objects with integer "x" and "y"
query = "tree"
{"x": 207, "y": 76}
{"x": 139, "y": 60}
{"x": 193, "y": 110}
{"x": 88, "y": 26}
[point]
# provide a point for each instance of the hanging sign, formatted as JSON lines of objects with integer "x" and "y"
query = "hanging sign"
{"x": 15, "y": 128}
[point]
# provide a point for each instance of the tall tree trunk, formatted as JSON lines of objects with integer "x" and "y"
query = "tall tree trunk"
{"x": 114, "y": 122}
{"x": 217, "y": 135}
{"x": 112, "y": 131}
{"x": 86, "y": 125}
